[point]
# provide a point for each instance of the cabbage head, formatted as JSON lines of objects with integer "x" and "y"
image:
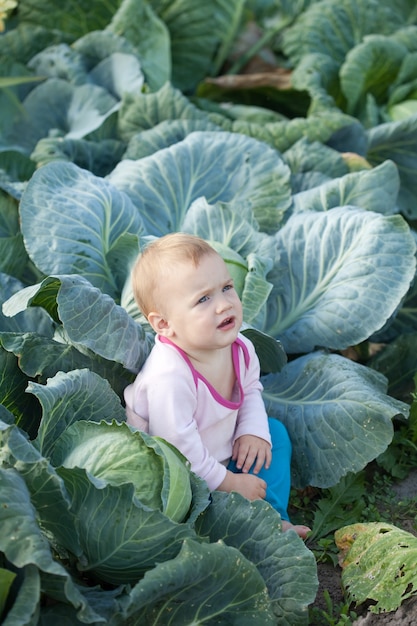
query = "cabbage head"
{"x": 403, "y": 110}
{"x": 116, "y": 454}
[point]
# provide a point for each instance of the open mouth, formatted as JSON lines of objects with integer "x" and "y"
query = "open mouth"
{"x": 227, "y": 322}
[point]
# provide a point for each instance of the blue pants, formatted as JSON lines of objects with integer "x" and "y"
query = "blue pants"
{"x": 278, "y": 476}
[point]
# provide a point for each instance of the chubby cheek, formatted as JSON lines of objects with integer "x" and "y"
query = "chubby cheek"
{"x": 238, "y": 307}
{"x": 238, "y": 313}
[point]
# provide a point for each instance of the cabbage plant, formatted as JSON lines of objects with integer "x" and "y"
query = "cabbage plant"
{"x": 110, "y": 136}
{"x": 133, "y": 534}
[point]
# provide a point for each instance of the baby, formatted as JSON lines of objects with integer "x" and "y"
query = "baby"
{"x": 199, "y": 388}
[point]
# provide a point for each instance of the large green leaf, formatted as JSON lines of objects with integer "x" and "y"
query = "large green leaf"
{"x": 45, "y": 487}
{"x": 25, "y": 40}
{"x": 60, "y": 107}
{"x": 121, "y": 538}
{"x": 205, "y": 583}
{"x": 98, "y": 157}
{"x": 60, "y": 61}
{"x": 145, "y": 111}
{"x": 136, "y": 22}
{"x": 13, "y": 256}
{"x": 220, "y": 166}
{"x": 337, "y": 414}
{"x": 370, "y": 67}
{"x": 397, "y": 360}
{"x": 271, "y": 354}
{"x": 375, "y": 189}
{"x": 334, "y": 27}
{"x": 24, "y": 544}
{"x": 119, "y": 73}
{"x": 341, "y": 275}
{"x": 71, "y": 16}
{"x": 42, "y": 357}
{"x": 76, "y": 223}
{"x": 201, "y": 36}
{"x": 69, "y": 397}
{"x": 398, "y": 141}
{"x": 89, "y": 318}
{"x": 117, "y": 454}
{"x": 13, "y": 384}
{"x": 163, "y": 135}
{"x": 26, "y": 321}
{"x": 254, "y": 528}
{"x": 231, "y": 225}
{"x": 313, "y": 163}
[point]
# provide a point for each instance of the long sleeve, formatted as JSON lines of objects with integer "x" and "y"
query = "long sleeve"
{"x": 164, "y": 402}
{"x": 252, "y": 418}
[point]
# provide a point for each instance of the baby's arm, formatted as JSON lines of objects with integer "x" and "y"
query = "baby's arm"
{"x": 252, "y": 443}
{"x": 248, "y": 485}
{"x": 249, "y": 449}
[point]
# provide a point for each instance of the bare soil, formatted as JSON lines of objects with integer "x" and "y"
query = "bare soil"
{"x": 330, "y": 577}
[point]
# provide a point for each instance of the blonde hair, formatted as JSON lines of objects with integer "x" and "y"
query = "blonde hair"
{"x": 158, "y": 260}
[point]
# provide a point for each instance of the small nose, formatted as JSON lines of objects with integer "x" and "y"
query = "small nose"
{"x": 223, "y": 304}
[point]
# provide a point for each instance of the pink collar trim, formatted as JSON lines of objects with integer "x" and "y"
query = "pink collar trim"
{"x": 197, "y": 376}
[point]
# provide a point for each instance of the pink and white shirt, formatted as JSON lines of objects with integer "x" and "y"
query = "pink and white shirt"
{"x": 171, "y": 399}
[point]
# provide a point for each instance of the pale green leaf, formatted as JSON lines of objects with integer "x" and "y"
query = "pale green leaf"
{"x": 147, "y": 33}
{"x": 224, "y": 586}
{"x": 220, "y": 166}
{"x": 58, "y": 106}
{"x": 201, "y": 36}
{"x": 163, "y": 135}
{"x": 60, "y": 61}
{"x": 89, "y": 318}
{"x": 46, "y": 489}
{"x": 143, "y": 112}
{"x": 337, "y": 413}
{"x": 42, "y": 357}
{"x": 23, "y": 543}
{"x": 373, "y": 189}
{"x": 132, "y": 538}
{"x": 398, "y": 141}
{"x": 70, "y": 16}
{"x": 334, "y": 27}
{"x": 254, "y": 528}
{"x": 70, "y": 397}
{"x": 370, "y": 67}
{"x": 341, "y": 275}
{"x": 76, "y": 223}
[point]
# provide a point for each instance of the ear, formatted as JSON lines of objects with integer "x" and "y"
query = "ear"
{"x": 159, "y": 324}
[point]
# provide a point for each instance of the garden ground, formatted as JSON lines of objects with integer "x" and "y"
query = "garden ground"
{"x": 330, "y": 579}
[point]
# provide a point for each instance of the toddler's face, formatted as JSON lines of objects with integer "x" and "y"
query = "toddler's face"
{"x": 201, "y": 306}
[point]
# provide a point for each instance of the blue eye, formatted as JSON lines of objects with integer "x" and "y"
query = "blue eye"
{"x": 203, "y": 299}
{"x": 227, "y": 287}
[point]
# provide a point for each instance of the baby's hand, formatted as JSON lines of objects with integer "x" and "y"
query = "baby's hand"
{"x": 247, "y": 449}
{"x": 248, "y": 485}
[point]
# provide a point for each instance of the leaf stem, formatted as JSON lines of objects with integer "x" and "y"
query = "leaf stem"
{"x": 256, "y": 47}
